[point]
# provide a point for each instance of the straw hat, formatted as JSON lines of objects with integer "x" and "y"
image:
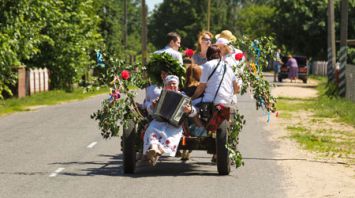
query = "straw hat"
{"x": 227, "y": 35}
{"x": 222, "y": 41}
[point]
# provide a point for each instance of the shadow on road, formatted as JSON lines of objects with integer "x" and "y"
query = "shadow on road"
{"x": 165, "y": 167}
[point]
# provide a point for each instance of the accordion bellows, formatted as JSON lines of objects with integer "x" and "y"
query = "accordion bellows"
{"x": 170, "y": 107}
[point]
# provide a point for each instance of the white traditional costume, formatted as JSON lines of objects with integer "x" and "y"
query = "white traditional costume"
{"x": 163, "y": 135}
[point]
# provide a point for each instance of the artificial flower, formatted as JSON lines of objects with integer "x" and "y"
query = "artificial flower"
{"x": 189, "y": 52}
{"x": 125, "y": 74}
{"x": 238, "y": 56}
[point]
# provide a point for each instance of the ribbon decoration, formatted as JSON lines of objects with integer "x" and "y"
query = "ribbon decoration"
{"x": 261, "y": 104}
{"x": 257, "y": 50}
{"x": 99, "y": 59}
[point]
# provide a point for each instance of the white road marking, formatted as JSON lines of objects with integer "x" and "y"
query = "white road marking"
{"x": 92, "y": 145}
{"x": 55, "y": 173}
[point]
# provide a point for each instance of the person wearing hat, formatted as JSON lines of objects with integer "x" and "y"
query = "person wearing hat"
{"x": 226, "y": 34}
{"x": 162, "y": 138}
{"x": 172, "y": 47}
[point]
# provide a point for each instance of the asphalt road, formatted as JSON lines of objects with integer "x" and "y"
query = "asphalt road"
{"x": 57, "y": 151}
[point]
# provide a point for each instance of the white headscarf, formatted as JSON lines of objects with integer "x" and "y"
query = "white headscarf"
{"x": 171, "y": 78}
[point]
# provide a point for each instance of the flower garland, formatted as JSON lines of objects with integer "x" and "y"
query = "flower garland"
{"x": 255, "y": 57}
{"x": 120, "y": 107}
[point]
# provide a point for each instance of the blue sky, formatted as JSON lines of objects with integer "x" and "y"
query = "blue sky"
{"x": 152, "y": 3}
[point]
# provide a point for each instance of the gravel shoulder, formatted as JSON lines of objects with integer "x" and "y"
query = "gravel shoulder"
{"x": 307, "y": 174}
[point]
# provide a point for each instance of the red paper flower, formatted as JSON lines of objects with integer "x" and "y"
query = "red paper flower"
{"x": 239, "y": 56}
{"x": 189, "y": 52}
{"x": 125, "y": 74}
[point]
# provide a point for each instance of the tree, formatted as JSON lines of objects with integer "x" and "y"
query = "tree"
{"x": 21, "y": 22}
{"x": 255, "y": 20}
{"x": 301, "y": 26}
{"x": 182, "y": 16}
{"x": 73, "y": 29}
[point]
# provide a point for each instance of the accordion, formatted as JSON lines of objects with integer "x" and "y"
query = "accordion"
{"x": 170, "y": 107}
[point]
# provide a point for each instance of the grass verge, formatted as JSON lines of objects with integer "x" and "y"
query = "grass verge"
{"x": 314, "y": 131}
{"x": 338, "y": 108}
{"x": 45, "y": 98}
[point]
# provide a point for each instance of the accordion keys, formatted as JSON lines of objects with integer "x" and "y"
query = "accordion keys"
{"x": 170, "y": 107}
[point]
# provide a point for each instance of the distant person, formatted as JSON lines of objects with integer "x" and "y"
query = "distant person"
{"x": 277, "y": 63}
{"x": 204, "y": 41}
{"x": 172, "y": 47}
{"x": 292, "y": 68}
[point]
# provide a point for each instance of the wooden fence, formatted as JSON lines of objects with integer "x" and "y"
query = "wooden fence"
{"x": 31, "y": 81}
{"x": 319, "y": 68}
{"x": 37, "y": 80}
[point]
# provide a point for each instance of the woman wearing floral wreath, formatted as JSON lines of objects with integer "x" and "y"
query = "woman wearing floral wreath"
{"x": 162, "y": 138}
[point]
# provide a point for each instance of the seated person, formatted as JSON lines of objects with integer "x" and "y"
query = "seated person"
{"x": 162, "y": 138}
{"x": 152, "y": 92}
{"x": 193, "y": 74}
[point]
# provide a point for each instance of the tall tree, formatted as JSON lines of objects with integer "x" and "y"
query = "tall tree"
{"x": 255, "y": 20}
{"x": 21, "y": 22}
{"x": 301, "y": 26}
{"x": 188, "y": 18}
{"x": 73, "y": 29}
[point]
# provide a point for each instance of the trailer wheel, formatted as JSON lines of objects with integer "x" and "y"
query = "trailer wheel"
{"x": 223, "y": 161}
{"x": 128, "y": 147}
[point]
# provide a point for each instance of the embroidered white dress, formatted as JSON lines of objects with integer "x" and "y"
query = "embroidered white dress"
{"x": 165, "y": 135}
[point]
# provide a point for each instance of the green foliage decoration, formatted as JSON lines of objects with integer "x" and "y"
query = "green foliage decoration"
{"x": 164, "y": 62}
{"x": 120, "y": 106}
{"x": 116, "y": 112}
{"x": 256, "y": 54}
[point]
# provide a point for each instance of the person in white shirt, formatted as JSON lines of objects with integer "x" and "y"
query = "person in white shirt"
{"x": 229, "y": 55}
{"x": 218, "y": 82}
{"x": 172, "y": 48}
{"x": 209, "y": 87}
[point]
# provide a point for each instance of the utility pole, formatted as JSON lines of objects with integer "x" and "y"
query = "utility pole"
{"x": 208, "y": 15}
{"x": 144, "y": 33}
{"x": 125, "y": 22}
{"x": 331, "y": 42}
{"x": 343, "y": 46}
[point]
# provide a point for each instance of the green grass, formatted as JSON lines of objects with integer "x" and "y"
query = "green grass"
{"x": 321, "y": 139}
{"x": 339, "y": 108}
{"x": 324, "y": 140}
{"x": 45, "y": 98}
